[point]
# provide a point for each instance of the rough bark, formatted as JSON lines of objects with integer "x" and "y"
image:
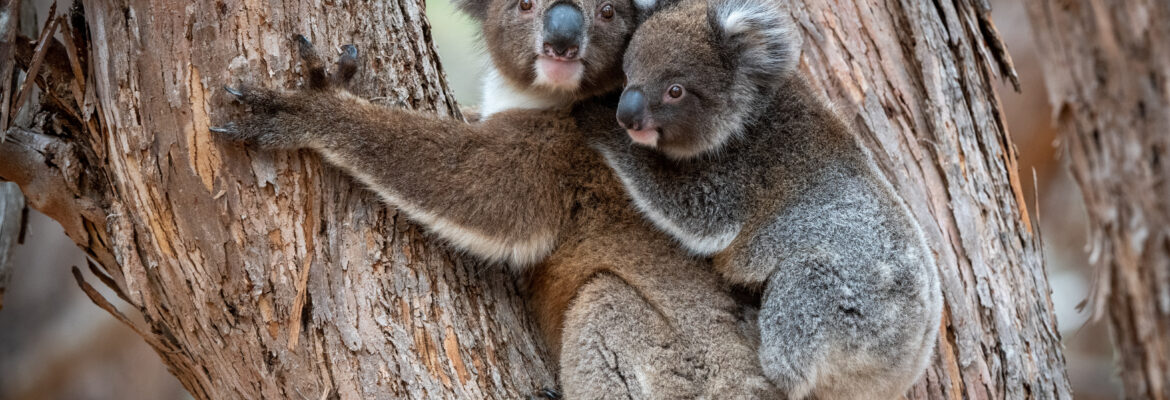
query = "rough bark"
{"x": 11, "y": 200}
{"x": 260, "y": 275}
{"x": 217, "y": 246}
{"x": 917, "y": 79}
{"x": 1107, "y": 66}
{"x": 11, "y": 225}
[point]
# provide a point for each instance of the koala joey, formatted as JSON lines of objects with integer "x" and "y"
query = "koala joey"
{"x": 625, "y": 311}
{"x": 735, "y": 157}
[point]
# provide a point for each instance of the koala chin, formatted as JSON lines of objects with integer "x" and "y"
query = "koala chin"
{"x": 551, "y": 53}
{"x": 727, "y": 149}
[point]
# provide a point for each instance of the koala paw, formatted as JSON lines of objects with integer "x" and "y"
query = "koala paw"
{"x": 278, "y": 119}
{"x": 317, "y": 77}
{"x": 546, "y": 394}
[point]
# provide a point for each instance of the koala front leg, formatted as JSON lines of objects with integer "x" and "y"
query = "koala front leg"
{"x": 491, "y": 188}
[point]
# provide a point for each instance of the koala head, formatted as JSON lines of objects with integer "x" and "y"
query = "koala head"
{"x": 698, "y": 72}
{"x": 558, "y": 47}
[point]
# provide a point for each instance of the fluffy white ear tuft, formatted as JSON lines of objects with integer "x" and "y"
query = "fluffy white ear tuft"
{"x": 759, "y": 34}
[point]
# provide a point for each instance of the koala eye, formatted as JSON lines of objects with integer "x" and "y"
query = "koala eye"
{"x": 525, "y": 5}
{"x": 606, "y": 11}
{"x": 675, "y": 92}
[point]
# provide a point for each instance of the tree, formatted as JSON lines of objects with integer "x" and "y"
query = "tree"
{"x": 264, "y": 274}
{"x": 1107, "y": 68}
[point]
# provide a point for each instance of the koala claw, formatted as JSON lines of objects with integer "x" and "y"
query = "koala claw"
{"x": 349, "y": 52}
{"x": 230, "y": 128}
{"x": 550, "y": 393}
{"x": 302, "y": 40}
{"x": 233, "y": 91}
{"x": 347, "y": 65}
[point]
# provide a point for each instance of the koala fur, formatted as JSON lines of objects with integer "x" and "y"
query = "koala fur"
{"x": 518, "y": 78}
{"x": 626, "y": 312}
{"x": 735, "y": 157}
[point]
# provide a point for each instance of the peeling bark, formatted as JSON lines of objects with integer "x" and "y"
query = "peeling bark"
{"x": 1107, "y": 67}
{"x": 265, "y": 275}
{"x": 918, "y": 79}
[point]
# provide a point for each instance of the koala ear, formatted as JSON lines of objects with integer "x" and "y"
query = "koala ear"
{"x": 759, "y": 35}
{"x": 477, "y": 9}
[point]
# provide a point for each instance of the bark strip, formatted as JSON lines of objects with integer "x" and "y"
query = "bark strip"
{"x": 1107, "y": 68}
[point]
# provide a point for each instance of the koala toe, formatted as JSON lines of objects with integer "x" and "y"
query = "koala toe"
{"x": 314, "y": 68}
{"x": 346, "y": 65}
{"x": 233, "y": 91}
{"x": 259, "y": 99}
{"x": 550, "y": 393}
{"x": 229, "y": 128}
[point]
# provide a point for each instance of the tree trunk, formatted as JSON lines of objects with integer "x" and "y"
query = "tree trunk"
{"x": 262, "y": 274}
{"x": 11, "y": 225}
{"x": 917, "y": 79}
{"x": 1107, "y": 66}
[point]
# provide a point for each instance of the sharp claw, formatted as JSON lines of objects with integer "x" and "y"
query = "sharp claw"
{"x": 303, "y": 40}
{"x": 229, "y": 128}
{"x": 233, "y": 91}
{"x": 349, "y": 51}
{"x": 550, "y": 393}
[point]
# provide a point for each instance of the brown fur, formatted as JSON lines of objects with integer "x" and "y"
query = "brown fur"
{"x": 514, "y": 38}
{"x": 627, "y": 312}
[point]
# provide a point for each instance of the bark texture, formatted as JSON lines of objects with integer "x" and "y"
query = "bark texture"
{"x": 262, "y": 274}
{"x": 918, "y": 79}
{"x": 1107, "y": 66}
{"x": 259, "y": 275}
{"x": 11, "y": 200}
{"x": 11, "y": 225}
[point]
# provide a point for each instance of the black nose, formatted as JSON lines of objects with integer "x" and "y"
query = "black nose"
{"x": 564, "y": 26}
{"x": 631, "y": 108}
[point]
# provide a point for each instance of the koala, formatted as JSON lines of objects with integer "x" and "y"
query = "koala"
{"x": 728, "y": 150}
{"x": 549, "y": 53}
{"x": 625, "y": 311}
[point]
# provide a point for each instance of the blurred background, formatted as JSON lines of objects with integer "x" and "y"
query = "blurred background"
{"x": 55, "y": 344}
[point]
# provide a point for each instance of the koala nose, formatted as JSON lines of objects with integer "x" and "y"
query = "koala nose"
{"x": 631, "y": 110}
{"x": 564, "y": 26}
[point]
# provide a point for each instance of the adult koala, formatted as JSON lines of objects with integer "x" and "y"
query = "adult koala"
{"x": 626, "y": 312}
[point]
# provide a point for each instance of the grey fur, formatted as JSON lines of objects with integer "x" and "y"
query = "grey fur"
{"x": 625, "y": 312}
{"x": 852, "y": 304}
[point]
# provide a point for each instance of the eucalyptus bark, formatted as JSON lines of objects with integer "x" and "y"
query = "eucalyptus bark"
{"x": 264, "y": 274}
{"x": 1107, "y": 68}
{"x": 259, "y": 275}
{"x": 11, "y": 225}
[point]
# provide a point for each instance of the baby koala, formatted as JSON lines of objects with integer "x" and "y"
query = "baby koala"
{"x": 736, "y": 158}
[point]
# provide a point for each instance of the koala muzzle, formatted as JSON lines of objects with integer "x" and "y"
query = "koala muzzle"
{"x": 564, "y": 28}
{"x": 631, "y": 110}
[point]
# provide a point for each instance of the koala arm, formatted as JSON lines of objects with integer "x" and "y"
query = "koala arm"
{"x": 692, "y": 200}
{"x": 489, "y": 188}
